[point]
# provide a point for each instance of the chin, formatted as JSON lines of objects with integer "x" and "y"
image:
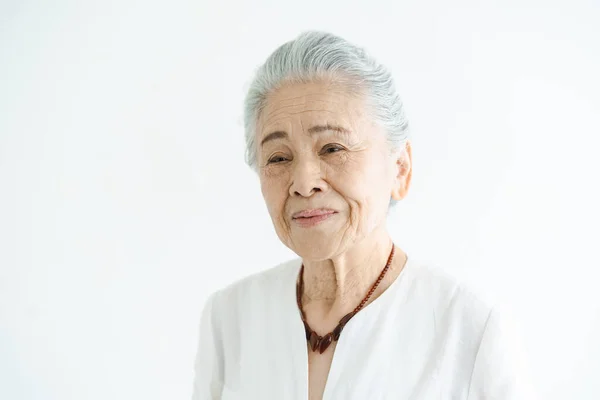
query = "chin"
{"x": 315, "y": 247}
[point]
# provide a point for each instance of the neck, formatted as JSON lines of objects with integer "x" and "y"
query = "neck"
{"x": 343, "y": 281}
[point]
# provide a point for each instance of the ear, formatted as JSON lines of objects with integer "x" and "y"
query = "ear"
{"x": 403, "y": 165}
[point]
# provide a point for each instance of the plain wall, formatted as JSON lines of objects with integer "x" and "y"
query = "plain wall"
{"x": 125, "y": 201}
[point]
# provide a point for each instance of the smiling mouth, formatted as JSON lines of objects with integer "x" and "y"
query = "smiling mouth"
{"x": 308, "y": 219}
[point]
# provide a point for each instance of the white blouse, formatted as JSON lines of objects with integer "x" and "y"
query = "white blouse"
{"x": 428, "y": 336}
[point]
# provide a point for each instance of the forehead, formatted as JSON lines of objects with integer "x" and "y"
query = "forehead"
{"x": 315, "y": 100}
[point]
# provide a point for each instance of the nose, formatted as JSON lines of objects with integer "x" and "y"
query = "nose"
{"x": 306, "y": 178}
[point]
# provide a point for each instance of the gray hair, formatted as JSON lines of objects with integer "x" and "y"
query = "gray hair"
{"x": 314, "y": 56}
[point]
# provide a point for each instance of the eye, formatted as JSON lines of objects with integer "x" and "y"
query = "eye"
{"x": 276, "y": 159}
{"x": 332, "y": 148}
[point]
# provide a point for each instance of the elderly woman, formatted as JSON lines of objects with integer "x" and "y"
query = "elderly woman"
{"x": 354, "y": 317}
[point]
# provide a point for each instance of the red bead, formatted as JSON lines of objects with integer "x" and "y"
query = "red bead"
{"x": 346, "y": 318}
{"x": 314, "y": 341}
{"x": 325, "y": 342}
{"x": 337, "y": 332}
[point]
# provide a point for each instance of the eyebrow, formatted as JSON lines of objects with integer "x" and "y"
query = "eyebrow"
{"x": 311, "y": 130}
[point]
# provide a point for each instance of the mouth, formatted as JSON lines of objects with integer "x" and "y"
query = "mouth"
{"x": 312, "y": 217}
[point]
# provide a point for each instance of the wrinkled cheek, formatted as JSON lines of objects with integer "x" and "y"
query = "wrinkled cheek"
{"x": 283, "y": 231}
{"x": 361, "y": 221}
{"x": 275, "y": 200}
{"x": 268, "y": 187}
{"x": 275, "y": 209}
{"x": 353, "y": 223}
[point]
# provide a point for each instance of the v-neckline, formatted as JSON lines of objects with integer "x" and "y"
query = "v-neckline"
{"x": 300, "y": 352}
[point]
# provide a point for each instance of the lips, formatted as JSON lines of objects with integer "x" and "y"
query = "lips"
{"x": 310, "y": 213}
{"x": 312, "y": 217}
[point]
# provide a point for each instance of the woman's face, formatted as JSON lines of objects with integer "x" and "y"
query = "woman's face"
{"x": 320, "y": 152}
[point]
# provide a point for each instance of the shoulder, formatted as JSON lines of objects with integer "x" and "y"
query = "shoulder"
{"x": 453, "y": 299}
{"x": 478, "y": 321}
{"x": 262, "y": 285}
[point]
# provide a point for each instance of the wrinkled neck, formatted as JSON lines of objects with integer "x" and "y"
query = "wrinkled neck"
{"x": 346, "y": 279}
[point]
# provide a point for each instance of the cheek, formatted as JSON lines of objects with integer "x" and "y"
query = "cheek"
{"x": 274, "y": 192}
{"x": 348, "y": 175}
{"x": 361, "y": 180}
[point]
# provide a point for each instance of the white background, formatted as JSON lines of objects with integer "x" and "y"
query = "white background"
{"x": 124, "y": 199}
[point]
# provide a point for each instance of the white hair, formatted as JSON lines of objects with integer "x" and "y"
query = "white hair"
{"x": 314, "y": 56}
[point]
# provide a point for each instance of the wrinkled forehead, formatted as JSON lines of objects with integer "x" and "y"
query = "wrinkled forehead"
{"x": 319, "y": 101}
